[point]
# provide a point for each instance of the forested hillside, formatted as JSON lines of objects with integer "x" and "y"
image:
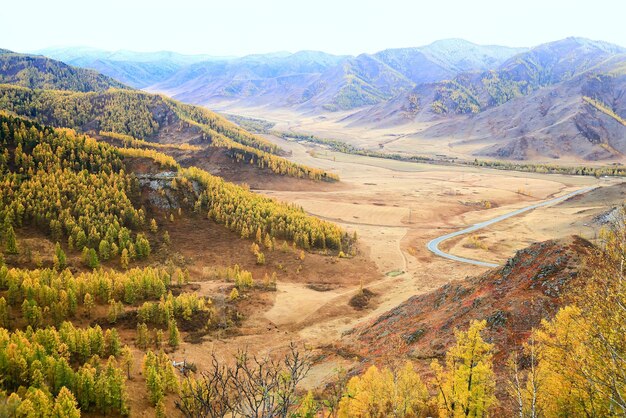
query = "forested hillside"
{"x": 56, "y": 94}
{"x": 77, "y": 193}
{"x": 51, "y": 176}
{"x": 38, "y": 72}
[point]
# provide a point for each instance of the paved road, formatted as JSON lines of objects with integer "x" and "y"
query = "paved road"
{"x": 433, "y": 245}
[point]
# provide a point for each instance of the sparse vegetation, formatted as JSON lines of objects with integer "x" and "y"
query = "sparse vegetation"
{"x": 474, "y": 241}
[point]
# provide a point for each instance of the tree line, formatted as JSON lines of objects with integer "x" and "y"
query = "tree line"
{"x": 51, "y": 296}
{"x": 136, "y": 113}
{"x": 339, "y": 146}
{"x": 251, "y": 215}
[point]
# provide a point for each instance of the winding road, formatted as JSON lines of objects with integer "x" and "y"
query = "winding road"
{"x": 433, "y": 245}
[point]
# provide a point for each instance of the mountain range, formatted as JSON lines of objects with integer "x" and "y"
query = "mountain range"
{"x": 136, "y": 69}
{"x": 563, "y": 99}
{"x": 305, "y": 79}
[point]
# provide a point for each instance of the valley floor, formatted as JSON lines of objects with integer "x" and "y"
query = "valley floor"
{"x": 396, "y": 208}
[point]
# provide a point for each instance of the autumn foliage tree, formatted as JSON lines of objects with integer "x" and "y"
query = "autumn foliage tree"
{"x": 580, "y": 355}
{"x": 466, "y": 382}
{"x": 389, "y": 393}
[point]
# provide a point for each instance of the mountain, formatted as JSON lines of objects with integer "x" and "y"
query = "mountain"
{"x": 137, "y": 69}
{"x": 279, "y": 78}
{"x": 513, "y": 300}
{"x": 60, "y": 95}
{"x": 474, "y": 91}
{"x": 310, "y": 80}
{"x": 562, "y": 99}
{"x": 534, "y": 105}
{"x": 38, "y": 72}
{"x": 306, "y": 80}
{"x": 355, "y": 82}
{"x": 444, "y": 59}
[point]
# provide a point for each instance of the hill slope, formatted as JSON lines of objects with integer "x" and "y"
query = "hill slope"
{"x": 38, "y": 72}
{"x": 513, "y": 299}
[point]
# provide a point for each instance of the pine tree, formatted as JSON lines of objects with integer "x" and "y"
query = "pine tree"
{"x": 60, "y": 260}
{"x": 89, "y": 304}
{"x": 127, "y": 359}
{"x": 26, "y": 409}
{"x": 234, "y": 294}
{"x": 267, "y": 242}
{"x": 180, "y": 279}
{"x": 104, "y": 250}
{"x": 65, "y": 405}
{"x": 90, "y": 258}
{"x": 385, "y": 393}
{"x": 154, "y": 382}
{"x": 466, "y": 385}
{"x": 142, "y": 336}
{"x": 153, "y": 226}
{"x": 40, "y": 400}
{"x": 115, "y": 310}
{"x": 160, "y": 411}
{"x": 582, "y": 351}
{"x": 158, "y": 337}
{"x": 142, "y": 246}
{"x": 174, "y": 335}
{"x": 112, "y": 342}
{"x": 4, "y": 313}
{"x": 10, "y": 241}
{"x": 124, "y": 259}
{"x": 81, "y": 240}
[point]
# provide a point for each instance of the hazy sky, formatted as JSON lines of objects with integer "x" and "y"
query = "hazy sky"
{"x": 238, "y": 27}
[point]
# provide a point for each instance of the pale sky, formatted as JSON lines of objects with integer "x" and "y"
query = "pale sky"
{"x": 239, "y": 27}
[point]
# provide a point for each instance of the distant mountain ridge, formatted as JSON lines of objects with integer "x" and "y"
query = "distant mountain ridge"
{"x": 307, "y": 80}
{"x": 534, "y": 105}
{"x": 329, "y": 82}
{"x": 38, "y": 72}
{"x": 560, "y": 99}
{"x": 137, "y": 69}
